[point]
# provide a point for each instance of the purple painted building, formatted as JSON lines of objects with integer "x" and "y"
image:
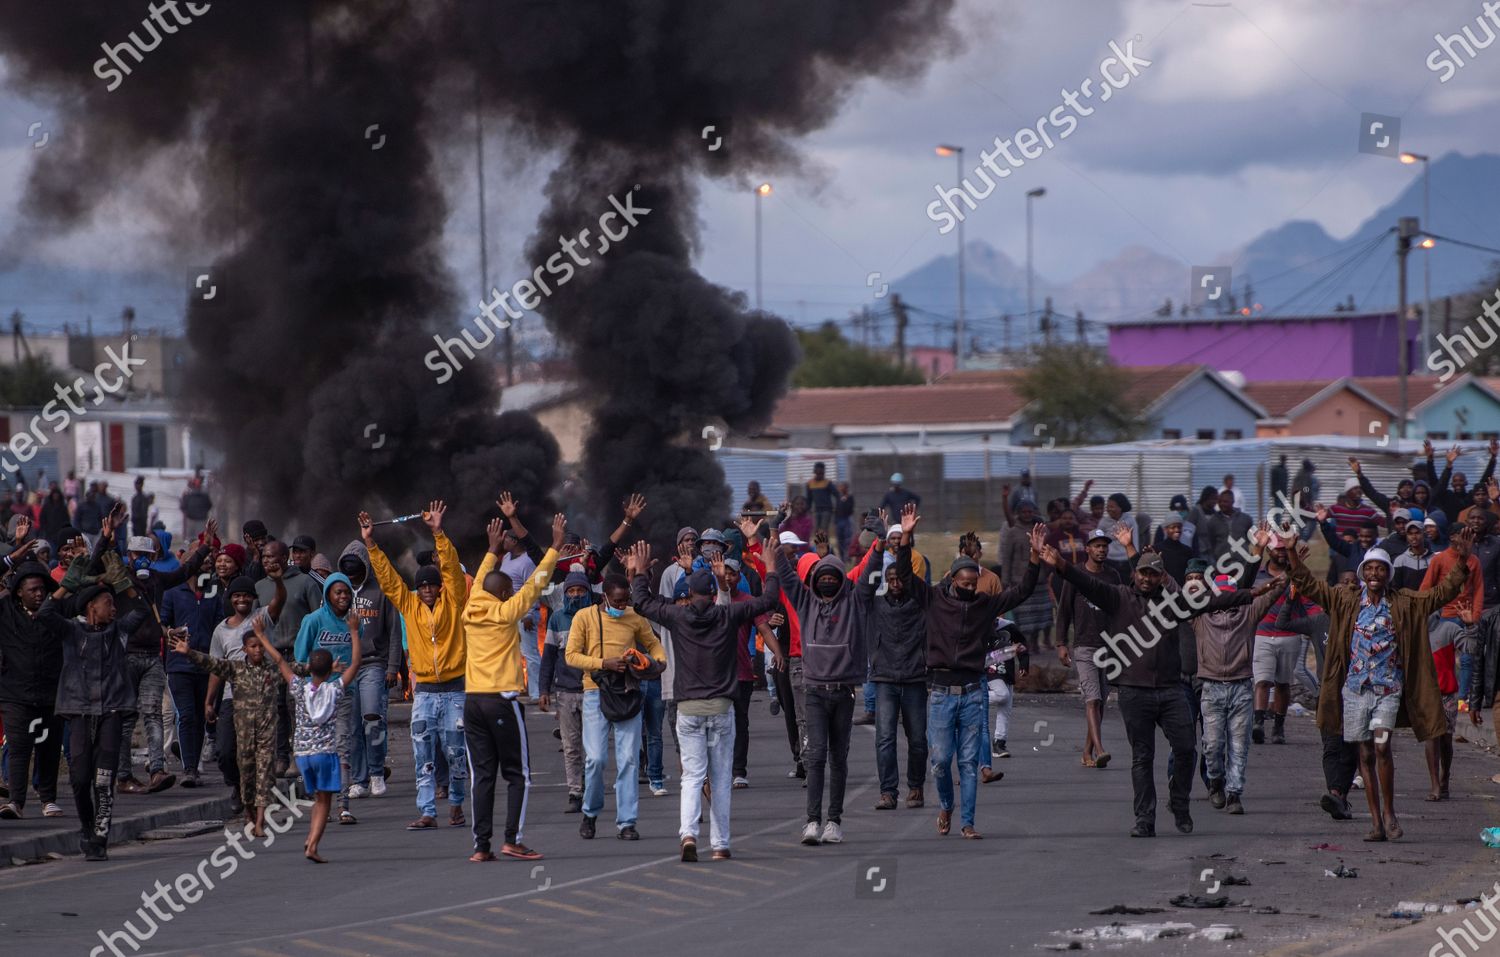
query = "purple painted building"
{"x": 1267, "y": 349}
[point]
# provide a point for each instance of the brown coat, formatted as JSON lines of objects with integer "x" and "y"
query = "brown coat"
{"x": 1421, "y": 701}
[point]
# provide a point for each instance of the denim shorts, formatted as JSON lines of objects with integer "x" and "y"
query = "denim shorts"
{"x": 320, "y": 772}
{"x": 1366, "y": 712}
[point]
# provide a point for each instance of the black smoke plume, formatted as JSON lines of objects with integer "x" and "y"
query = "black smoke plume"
{"x": 328, "y": 251}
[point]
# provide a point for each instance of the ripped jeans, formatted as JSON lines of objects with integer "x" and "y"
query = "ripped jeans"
{"x": 437, "y": 717}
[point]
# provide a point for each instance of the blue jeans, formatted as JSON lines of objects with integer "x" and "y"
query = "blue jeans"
{"x": 707, "y": 751}
{"x": 844, "y": 532}
{"x": 367, "y": 749}
{"x": 1227, "y": 709}
{"x": 596, "y": 734}
{"x": 533, "y": 660}
{"x": 961, "y": 719}
{"x": 437, "y": 718}
{"x": 906, "y": 700}
{"x": 869, "y": 697}
{"x": 652, "y": 711}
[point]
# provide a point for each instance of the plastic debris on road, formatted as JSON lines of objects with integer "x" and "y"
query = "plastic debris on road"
{"x": 1126, "y": 910}
{"x": 1341, "y": 871}
{"x": 1199, "y": 901}
{"x": 1490, "y": 836}
{"x": 1408, "y": 910}
{"x": 1218, "y": 932}
{"x": 1142, "y": 933}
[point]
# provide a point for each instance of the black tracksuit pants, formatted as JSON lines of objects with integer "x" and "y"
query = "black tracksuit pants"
{"x": 495, "y": 735}
{"x": 93, "y": 756}
{"x": 32, "y": 730}
{"x": 1340, "y": 763}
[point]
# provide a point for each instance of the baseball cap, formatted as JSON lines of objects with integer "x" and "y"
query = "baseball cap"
{"x": 306, "y": 542}
{"x": 1152, "y": 561}
{"x": 255, "y": 528}
{"x": 1099, "y": 535}
{"x": 1401, "y": 513}
{"x": 140, "y": 543}
{"x": 897, "y": 478}
{"x": 790, "y": 538}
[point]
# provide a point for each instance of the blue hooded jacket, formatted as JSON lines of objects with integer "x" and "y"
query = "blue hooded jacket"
{"x": 324, "y": 629}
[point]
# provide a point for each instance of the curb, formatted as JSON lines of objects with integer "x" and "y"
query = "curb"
{"x": 64, "y": 841}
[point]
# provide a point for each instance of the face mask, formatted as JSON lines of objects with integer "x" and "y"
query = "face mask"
{"x": 575, "y": 605}
{"x": 614, "y": 612}
{"x": 826, "y": 587}
{"x": 711, "y": 551}
{"x": 964, "y": 594}
{"x": 140, "y": 563}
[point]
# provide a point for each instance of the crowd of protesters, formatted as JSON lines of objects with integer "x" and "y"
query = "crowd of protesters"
{"x": 266, "y": 660}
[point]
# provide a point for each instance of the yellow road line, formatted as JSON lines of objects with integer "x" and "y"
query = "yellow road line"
{"x": 328, "y": 948}
{"x": 581, "y": 911}
{"x": 492, "y": 928}
{"x": 635, "y": 905}
{"x": 428, "y": 931}
{"x": 376, "y": 939}
{"x": 698, "y": 885}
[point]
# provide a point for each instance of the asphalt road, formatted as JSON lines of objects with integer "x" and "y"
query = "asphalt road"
{"x": 1056, "y": 848}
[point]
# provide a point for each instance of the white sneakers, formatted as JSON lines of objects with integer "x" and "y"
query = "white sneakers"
{"x": 810, "y": 834}
{"x": 357, "y": 791}
{"x": 377, "y": 785}
{"x": 832, "y": 833}
{"x": 658, "y": 790}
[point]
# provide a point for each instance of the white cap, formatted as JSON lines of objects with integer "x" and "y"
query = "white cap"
{"x": 893, "y": 532}
{"x": 1377, "y": 555}
{"x": 140, "y": 543}
{"x": 1351, "y": 483}
{"x": 790, "y": 538}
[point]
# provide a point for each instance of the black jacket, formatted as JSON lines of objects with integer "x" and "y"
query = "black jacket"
{"x": 898, "y": 631}
{"x": 958, "y": 631}
{"x": 94, "y": 679}
{"x": 703, "y": 642}
{"x": 1088, "y": 622}
{"x": 31, "y": 657}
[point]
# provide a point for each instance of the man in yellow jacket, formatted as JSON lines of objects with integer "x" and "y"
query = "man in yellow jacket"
{"x": 601, "y": 639}
{"x": 494, "y": 719}
{"x": 433, "y": 616}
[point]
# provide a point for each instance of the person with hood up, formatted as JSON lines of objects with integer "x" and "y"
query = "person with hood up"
{"x": 379, "y": 668}
{"x": 666, "y": 588}
{"x": 1378, "y": 674}
{"x": 562, "y": 685}
{"x": 328, "y": 628}
{"x": 833, "y": 629}
{"x": 494, "y": 718}
{"x": 707, "y": 631}
{"x": 433, "y": 617}
{"x": 31, "y": 662}
{"x": 960, "y": 624}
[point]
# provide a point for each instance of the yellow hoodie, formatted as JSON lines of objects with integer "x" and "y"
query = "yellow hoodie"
{"x": 587, "y": 649}
{"x": 493, "y": 633}
{"x": 434, "y": 636}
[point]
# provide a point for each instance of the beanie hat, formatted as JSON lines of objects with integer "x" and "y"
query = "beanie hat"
{"x": 701, "y": 582}
{"x": 235, "y": 551}
{"x": 429, "y": 575}
{"x": 320, "y": 563}
{"x": 1225, "y": 583}
{"x": 962, "y": 562}
{"x": 1197, "y": 566}
{"x": 575, "y": 580}
{"x": 682, "y": 589}
{"x": 242, "y": 584}
{"x": 28, "y": 570}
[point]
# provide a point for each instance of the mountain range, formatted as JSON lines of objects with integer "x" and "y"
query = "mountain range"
{"x": 1296, "y": 268}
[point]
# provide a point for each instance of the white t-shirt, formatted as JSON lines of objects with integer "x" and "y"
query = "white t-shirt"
{"x": 228, "y": 641}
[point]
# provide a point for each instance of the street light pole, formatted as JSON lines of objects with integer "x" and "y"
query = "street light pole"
{"x": 763, "y": 190}
{"x": 1405, "y": 230}
{"x": 958, "y": 352}
{"x": 1409, "y": 158}
{"x": 1030, "y": 195}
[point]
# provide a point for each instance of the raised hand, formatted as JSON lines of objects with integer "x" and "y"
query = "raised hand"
{"x": 559, "y": 531}
{"x": 717, "y": 564}
{"x": 433, "y": 516}
{"x": 1354, "y": 465}
{"x": 1049, "y": 555}
{"x": 1038, "y": 537}
{"x": 634, "y": 506}
{"x": 1262, "y": 535}
{"x": 1451, "y": 455}
{"x": 1427, "y": 448}
{"x": 23, "y": 525}
{"x": 1461, "y": 542}
{"x": 211, "y": 530}
{"x": 352, "y": 621}
{"x": 685, "y": 556}
{"x": 749, "y": 527}
{"x": 507, "y": 503}
{"x": 1322, "y": 513}
{"x": 909, "y": 518}
{"x": 638, "y": 558}
{"x": 1122, "y": 534}
{"x": 820, "y": 543}
{"x": 366, "y": 529}
{"x": 495, "y": 532}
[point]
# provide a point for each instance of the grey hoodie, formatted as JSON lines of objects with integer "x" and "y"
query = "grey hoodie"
{"x": 379, "y": 623}
{"x": 833, "y": 629}
{"x": 303, "y": 596}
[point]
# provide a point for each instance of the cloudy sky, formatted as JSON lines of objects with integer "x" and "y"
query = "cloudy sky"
{"x": 1247, "y": 117}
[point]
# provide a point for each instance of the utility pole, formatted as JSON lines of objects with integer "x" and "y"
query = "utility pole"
{"x": 1047, "y": 322}
{"x": 1406, "y": 228}
{"x": 898, "y": 309}
{"x": 1078, "y": 318}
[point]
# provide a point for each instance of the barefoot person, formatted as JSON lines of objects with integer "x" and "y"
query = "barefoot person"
{"x": 1378, "y": 673}
{"x": 315, "y": 733}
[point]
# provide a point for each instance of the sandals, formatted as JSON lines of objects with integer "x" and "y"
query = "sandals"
{"x": 346, "y": 818}
{"x": 456, "y": 816}
{"x": 1101, "y": 761}
{"x": 944, "y": 821}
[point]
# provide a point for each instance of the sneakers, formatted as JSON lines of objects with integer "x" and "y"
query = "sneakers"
{"x": 586, "y": 828}
{"x": 1235, "y": 807}
{"x": 1278, "y": 730}
{"x": 833, "y": 833}
{"x": 575, "y": 804}
{"x": 775, "y": 707}
{"x": 629, "y": 833}
{"x": 1336, "y": 806}
{"x": 1142, "y": 829}
{"x": 810, "y": 834}
{"x": 190, "y": 780}
{"x": 130, "y": 785}
{"x": 741, "y": 782}
{"x": 1258, "y": 733}
{"x": 377, "y": 787}
{"x": 10, "y": 812}
{"x": 1001, "y": 751}
{"x": 1216, "y": 794}
{"x": 357, "y": 791}
{"x": 94, "y": 850}
{"x": 798, "y": 772}
{"x": 50, "y": 809}
{"x": 657, "y": 790}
